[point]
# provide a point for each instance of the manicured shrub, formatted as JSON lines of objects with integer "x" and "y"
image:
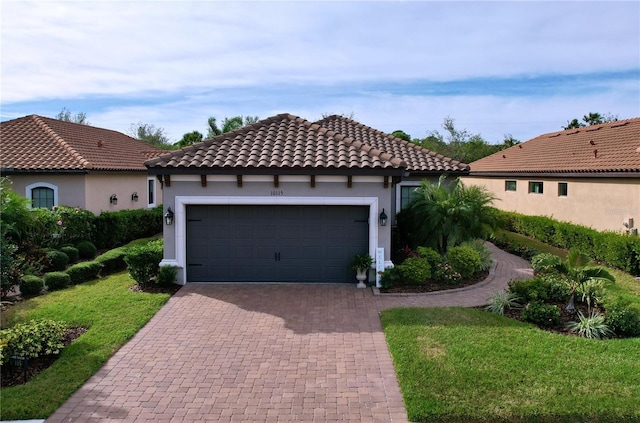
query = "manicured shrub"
{"x": 464, "y": 260}
{"x": 389, "y": 277}
{"x": 167, "y": 275}
{"x": 87, "y": 250}
{"x": 485, "y": 254}
{"x": 446, "y": 274}
{"x": 58, "y": 260}
{"x": 32, "y": 340}
{"x": 534, "y": 289}
{"x": 57, "y": 280}
{"x": 414, "y": 271}
{"x": 31, "y": 285}
{"x": 541, "y": 314}
{"x": 74, "y": 224}
{"x": 72, "y": 253}
{"x": 112, "y": 261}
{"x": 83, "y": 272}
{"x": 558, "y": 289}
{"x": 622, "y": 321}
{"x": 118, "y": 228}
{"x": 143, "y": 261}
{"x": 432, "y": 256}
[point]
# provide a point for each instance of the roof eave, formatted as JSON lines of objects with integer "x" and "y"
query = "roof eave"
{"x": 560, "y": 174}
{"x": 276, "y": 171}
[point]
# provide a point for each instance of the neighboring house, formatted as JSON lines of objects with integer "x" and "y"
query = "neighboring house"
{"x": 286, "y": 200}
{"x": 53, "y": 162}
{"x": 588, "y": 176}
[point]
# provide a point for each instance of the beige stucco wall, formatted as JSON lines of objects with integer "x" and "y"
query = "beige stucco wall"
{"x": 92, "y": 191}
{"x": 599, "y": 203}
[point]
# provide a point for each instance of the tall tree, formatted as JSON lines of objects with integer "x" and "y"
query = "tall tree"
{"x": 189, "y": 138}
{"x": 228, "y": 124}
{"x": 150, "y": 134}
{"x": 66, "y": 115}
{"x": 590, "y": 119}
{"x": 402, "y": 135}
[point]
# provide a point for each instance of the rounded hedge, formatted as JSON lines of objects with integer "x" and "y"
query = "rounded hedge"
{"x": 87, "y": 250}
{"x": 57, "y": 280}
{"x": 464, "y": 260}
{"x": 31, "y": 285}
{"x": 415, "y": 271}
{"x": 58, "y": 260}
{"x": 72, "y": 253}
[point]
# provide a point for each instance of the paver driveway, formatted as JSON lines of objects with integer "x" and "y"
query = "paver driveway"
{"x": 261, "y": 353}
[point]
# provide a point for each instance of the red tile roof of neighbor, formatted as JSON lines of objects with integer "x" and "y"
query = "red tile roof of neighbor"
{"x": 290, "y": 142}
{"x": 608, "y": 148}
{"x": 35, "y": 143}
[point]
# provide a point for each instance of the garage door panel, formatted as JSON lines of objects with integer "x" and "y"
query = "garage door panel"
{"x": 274, "y": 243}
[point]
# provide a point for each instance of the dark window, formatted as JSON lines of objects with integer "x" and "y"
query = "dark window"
{"x": 406, "y": 195}
{"x": 535, "y": 187}
{"x": 152, "y": 192}
{"x": 42, "y": 197}
{"x": 563, "y": 189}
{"x": 510, "y": 185}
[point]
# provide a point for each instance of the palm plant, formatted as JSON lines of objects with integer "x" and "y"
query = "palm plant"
{"x": 591, "y": 326}
{"x": 577, "y": 268}
{"x": 444, "y": 215}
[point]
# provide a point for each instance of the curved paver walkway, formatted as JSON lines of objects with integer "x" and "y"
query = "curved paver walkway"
{"x": 263, "y": 353}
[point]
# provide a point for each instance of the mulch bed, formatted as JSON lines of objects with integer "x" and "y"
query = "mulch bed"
{"x": 13, "y": 375}
{"x": 432, "y": 286}
{"x": 155, "y": 289}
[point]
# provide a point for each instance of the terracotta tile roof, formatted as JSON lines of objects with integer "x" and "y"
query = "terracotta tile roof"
{"x": 610, "y": 147}
{"x": 418, "y": 159}
{"x": 282, "y": 141}
{"x": 36, "y": 143}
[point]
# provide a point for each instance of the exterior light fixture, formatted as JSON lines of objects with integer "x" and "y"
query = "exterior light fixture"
{"x": 168, "y": 216}
{"x": 134, "y": 197}
{"x": 113, "y": 200}
{"x": 383, "y": 218}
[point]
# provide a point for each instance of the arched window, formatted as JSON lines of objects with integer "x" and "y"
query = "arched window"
{"x": 42, "y": 194}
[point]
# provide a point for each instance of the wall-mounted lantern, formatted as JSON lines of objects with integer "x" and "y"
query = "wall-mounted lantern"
{"x": 134, "y": 197}
{"x": 113, "y": 200}
{"x": 383, "y": 218}
{"x": 168, "y": 216}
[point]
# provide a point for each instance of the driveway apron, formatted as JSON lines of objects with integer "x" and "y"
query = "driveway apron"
{"x": 265, "y": 353}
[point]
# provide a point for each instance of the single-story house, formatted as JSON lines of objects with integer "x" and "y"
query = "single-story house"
{"x": 588, "y": 176}
{"x": 287, "y": 200}
{"x": 53, "y": 162}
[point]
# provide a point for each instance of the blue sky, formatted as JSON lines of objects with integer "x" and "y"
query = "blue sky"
{"x": 520, "y": 68}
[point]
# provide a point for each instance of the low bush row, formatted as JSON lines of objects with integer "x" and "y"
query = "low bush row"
{"x": 617, "y": 250}
{"x": 31, "y": 340}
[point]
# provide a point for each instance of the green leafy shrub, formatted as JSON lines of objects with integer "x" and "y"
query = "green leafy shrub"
{"x": 445, "y": 273}
{"x": 58, "y": 260}
{"x": 558, "y": 289}
{"x": 389, "y": 277}
{"x": 9, "y": 267}
{"x": 622, "y": 321}
{"x": 592, "y": 326}
{"x": 432, "y": 256}
{"x": 167, "y": 275}
{"x": 57, "y": 280}
{"x": 31, "y": 285}
{"x": 87, "y": 250}
{"x": 83, "y": 272}
{"x": 486, "y": 260}
{"x": 591, "y": 292}
{"x": 414, "y": 271}
{"x": 118, "y": 228}
{"x": 541, "y": 314}
{"x": 534, "y": 289}
{"x": 112, "y": 261}
{"x": 501, "y": 301}
{"x": 545, "y": 263}
{"x": 72, "y": 253}
{"x": 464, "y": 260}
{"x": 75, "y": 224}
{"x": 143, "y": 261}
{"x": 33, "y": 339}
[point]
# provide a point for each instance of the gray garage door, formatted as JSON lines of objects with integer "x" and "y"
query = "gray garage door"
{"x": 274, "y": 243}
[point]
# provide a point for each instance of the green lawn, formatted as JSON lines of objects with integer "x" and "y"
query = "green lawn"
{"x": 113, "y": 315}
{"x": 467, "y": 365}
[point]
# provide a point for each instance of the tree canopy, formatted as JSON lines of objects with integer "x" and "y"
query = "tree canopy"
{"x": 150, "y": 134}
{"x": 590, "y": 120}
{"x": 228, "y": 124}
{"x": 66, "y": 115}
{"x": 189, "y": 138}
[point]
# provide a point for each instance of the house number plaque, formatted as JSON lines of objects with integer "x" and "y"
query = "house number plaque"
{"x": 277, "y": 192}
